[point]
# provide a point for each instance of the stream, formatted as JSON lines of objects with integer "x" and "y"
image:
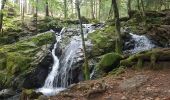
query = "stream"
{"x": 61, "y": 73}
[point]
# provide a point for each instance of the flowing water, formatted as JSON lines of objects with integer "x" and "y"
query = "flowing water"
{"x": 141, "y": 43}
{"x": 60, "y": 76}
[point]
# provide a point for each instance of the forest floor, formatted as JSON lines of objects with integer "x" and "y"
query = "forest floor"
{"x": 130, "y": 85}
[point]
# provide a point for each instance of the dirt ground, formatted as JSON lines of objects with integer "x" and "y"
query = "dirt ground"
{"x": 130, "y": 85}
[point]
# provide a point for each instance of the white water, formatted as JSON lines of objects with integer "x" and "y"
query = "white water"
{"x": 142, "y": 43}
{"x": 60, "y": 76}
{"x": 48, "y": 88}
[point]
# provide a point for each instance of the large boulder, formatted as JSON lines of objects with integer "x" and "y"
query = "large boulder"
{"x": 19, "y": 59}
{"x": 103, "y": 41}
{"x": 108, "y": 62}
{"x": 160, "y": 35}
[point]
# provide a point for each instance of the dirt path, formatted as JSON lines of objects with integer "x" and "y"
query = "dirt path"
{"x": 130, "y": 85}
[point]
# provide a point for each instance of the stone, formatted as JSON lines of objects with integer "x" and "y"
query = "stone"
{"x": 134, "y": 82}
{"x": 42, "y": 97}
{"x": 6, "y": 93}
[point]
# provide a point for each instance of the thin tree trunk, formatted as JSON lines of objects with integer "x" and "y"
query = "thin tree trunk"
{"x": 129, "y": 8}
{"x": 138, "y": 5}
{"x": 99, "y": 9}
{"x": 86, "y": 71}
{"x": 36, "y": 16}
{"x": 65, "y": 9}
{"x": 46, "y": 9}
{"x": 1, "y": 14}
{"x": 92, "y": 11}
{"x": 117, "y": 25}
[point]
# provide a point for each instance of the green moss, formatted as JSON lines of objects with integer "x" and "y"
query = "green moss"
{"x": 152, "y": 56}
{"x": 103, "y": 40}
{"x": 139, "y": 63}
{"x": 2, "y": 61}
{"x": 108, "y": 62}
{"x": 17, "y": 63}
{"x": 16, "y": 59}
{"x": 118, "y": 70}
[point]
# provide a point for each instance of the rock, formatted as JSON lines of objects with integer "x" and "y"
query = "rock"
{"x": 160, "y": 35}
{"x": 103, "y": 41}
{"x": 29, "y": 94}
{"x": 124, "y": 98}
{"x": 6, "y": 93}
{"x": 108, "y": 62}
{"x": 134, "y": 82}
{"x": 42, "y": 97}
{"x": 21, "y": 58}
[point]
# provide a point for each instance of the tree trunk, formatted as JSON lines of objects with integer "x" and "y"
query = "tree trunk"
{"x": 46, "y": 9}
{"x": 129, "y": 8}
{"x": 65, "y": 9}
{"x": 92, "y": 10}
{"x": 86, "y": 68}
{"x": 117, "y": 25}
{"x": 138, "y": 5}
{"x": 36, "y": 16}
{"x": 99, "y": 9}
{"x": 1, "y": 14}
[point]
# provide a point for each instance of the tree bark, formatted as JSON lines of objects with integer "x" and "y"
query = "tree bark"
{"x": 129, "y": 8}
{"x": 99, "y": 9}
{"x": 46, "y": 9}
{"x": 92, "y": 10}
{"x": 86, "y": 67}
{"x": 117, "y": 25}
{"x": 65, "y": 9}
{"x": 1, "y": 14}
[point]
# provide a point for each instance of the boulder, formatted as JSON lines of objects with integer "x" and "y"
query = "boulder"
{"x": 160, "y": 35}
{"x": 6, "y": 93}
{"x": 19, "y": 59}
{"x": 108, "y": 62}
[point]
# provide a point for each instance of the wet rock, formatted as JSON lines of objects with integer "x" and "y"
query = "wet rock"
{"x": 37, "y": 77}
{"x": 134, "y": 82}
{"x": 160, "y": 35}
{"x": 6, "y": 93}
{"x": 42, "y": 97}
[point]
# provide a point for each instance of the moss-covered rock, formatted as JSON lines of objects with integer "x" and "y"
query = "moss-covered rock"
{"x": 153, "y": 57}
{"x": 16, "y": 60}
{"x": 103, "y": 40}
{"x": 108, "y": 62}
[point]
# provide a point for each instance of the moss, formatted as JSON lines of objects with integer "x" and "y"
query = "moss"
{"x": 152, "y": 56}
{"x": 108, "y": 62}
{"x": 2, "y": 61}
{"x": 16, "y": 59}
{"x": 17, "y": 63}
{"x": 103, "y": 40}
{"x": 118, "y": 70}
{"x": 139, "y": 63}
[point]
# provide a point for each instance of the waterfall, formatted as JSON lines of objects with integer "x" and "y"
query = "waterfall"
{"x": 48, "y": 88}
{"x": 60, "y": 76}
{"x": 141, "y": 43}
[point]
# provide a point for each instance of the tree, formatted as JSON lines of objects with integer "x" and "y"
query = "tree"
{"x": 1, "y": 14}
{"x": 117, "y": 25}
{"x": 65, "y": 9}
{"x": 86, "y": 67}
{"x": 129, "y": 8}
{"x": 46, "y": 8}
{"x": 92, "y": 10}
